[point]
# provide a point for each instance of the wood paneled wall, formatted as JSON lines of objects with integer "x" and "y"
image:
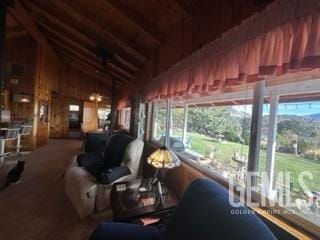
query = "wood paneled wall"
{"x": 74, "y": 87}
{"x": 51, "y": 82}
{"x": 21, "y": 51}
{"x": 40, "y": 78}
{"x": 46, "y": 82}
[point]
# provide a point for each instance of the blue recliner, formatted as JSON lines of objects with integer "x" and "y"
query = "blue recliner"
{"x": 204, "y": 213}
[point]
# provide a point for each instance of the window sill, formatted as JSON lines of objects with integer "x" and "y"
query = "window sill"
{"x": 293, "y": 229}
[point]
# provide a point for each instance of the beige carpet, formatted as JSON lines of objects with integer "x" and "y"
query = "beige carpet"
{"x": 37, "y": 207}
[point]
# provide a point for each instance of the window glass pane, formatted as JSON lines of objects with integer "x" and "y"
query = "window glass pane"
{"x": 176, "y": 141}
{"x": 159, "y": 122}
{"x": 214, "y": 134}
{"x": 219, "y": 137}
{"x": 298, "y": 151}
{"x": 104, "y": 118}
{"x": 125, "y": 116}
{"x": 74, "y": 108}
{"x": 291, "y": 156}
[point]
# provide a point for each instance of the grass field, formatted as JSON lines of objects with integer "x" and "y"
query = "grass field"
{"x": 283, "y": 162}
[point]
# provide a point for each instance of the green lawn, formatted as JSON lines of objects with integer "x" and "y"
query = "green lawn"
{"x": 283, "y": 162}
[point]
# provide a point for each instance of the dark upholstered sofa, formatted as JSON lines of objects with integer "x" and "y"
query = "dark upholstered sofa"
{"x": 204, "y": 213}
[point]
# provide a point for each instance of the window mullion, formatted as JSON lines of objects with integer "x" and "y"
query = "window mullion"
{"x": 272, "y": 134}
{"x": 154, "y": 119}
{"x": 256, "y": 124}
{"x": 168, "y": 122}
{"x": 185, "y": 124}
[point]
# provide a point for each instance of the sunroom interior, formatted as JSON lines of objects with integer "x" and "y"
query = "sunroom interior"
{"x": 174, "y": 119}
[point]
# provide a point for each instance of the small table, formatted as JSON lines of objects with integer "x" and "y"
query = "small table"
{"x": 126, "y": 204}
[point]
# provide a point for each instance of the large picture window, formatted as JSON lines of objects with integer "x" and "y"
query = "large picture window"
{"x": 213, "y": 133}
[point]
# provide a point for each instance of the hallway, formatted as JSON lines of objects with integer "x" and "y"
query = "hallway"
{"x": 37, "y": 208}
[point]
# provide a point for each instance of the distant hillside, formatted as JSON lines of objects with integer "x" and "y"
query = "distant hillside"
{"x": 303, "y": 125}
{"x": 315, "y": 117}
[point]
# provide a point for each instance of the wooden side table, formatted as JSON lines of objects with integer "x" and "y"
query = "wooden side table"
{"x": 126, "y": 203}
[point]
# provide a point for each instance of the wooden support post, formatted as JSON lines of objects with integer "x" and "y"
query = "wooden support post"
{"x": 272, "y": 134}
{"x": 256, "y": 123}
{"x": 113, "y": 106}
{"x": 3, "y": 14}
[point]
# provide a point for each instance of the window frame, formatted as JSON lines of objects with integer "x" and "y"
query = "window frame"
{"x": 266, "y": 90}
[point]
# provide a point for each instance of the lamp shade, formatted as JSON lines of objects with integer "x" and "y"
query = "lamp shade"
{"x": 163, "y": 158}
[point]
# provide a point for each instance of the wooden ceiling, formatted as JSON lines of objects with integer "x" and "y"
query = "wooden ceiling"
{"x": 132, "y": 30}
{"x": 13, "y": 29}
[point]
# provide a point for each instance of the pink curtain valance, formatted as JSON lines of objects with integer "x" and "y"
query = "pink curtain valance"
{"x": 285, "y": 37}
{"x": 123, "y": 103}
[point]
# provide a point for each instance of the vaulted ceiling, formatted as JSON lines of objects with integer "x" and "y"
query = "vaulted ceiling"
{"x": 131, "y": 30}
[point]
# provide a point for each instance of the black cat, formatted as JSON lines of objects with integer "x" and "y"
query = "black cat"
{"x": 14, "y": 175}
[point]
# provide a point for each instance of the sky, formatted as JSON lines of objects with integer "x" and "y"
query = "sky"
{"x": 298, "y": 108}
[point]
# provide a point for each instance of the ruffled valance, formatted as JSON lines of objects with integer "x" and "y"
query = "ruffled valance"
{"x": 285, "y": 37}
{"x": 123, "y": 103}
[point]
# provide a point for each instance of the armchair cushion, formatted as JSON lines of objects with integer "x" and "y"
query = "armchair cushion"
{"x": 132, "y": 156}
{"x": 115, "y": 149}
{"x": 89, "y": 158}
{"x": 123, "y": 231}
{"x": 110, "y": 175}
{"x": 96, "y": 141}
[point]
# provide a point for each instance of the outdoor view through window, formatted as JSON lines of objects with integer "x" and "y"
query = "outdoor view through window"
{"x": 297, "y": 150}
{"x": 216, "y": 137}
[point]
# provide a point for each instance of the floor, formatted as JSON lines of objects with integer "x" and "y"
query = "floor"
{"x": 37, "y": 207}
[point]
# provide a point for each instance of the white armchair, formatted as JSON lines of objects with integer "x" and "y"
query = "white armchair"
{"x": 87, "y": 195}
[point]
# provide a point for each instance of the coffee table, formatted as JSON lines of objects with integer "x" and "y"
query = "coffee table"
{"x": 129, "y": 204}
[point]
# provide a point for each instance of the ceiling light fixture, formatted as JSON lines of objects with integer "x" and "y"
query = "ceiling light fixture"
{"x": 95, "y": 97}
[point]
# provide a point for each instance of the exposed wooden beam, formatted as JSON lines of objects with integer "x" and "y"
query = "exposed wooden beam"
{"x": 53, "y": 34}
{"x": 61, "y": 47}
{"x": 22, "y": 17}
{"x": 116, "y": 75}
{"x": 111, "y": 38}
{"x": 89, "y": 73}
{"x": 139, "y": 21}
{"x": 15, "y": 32}
{"x": 78, "y": 57}
{"x": 83, "y": 67}
{"x": 120, "y": 70}
{"x": 180, "y": 8}
{"x": 79, "y": 48}
{"x": 42, "y": 16}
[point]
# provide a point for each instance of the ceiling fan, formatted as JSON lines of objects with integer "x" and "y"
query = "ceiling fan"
{"x": 105, "y": 56}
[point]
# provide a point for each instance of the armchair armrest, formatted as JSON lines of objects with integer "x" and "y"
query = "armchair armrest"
{"x": 81, "y": 189}
{"x": 112, "y": 174}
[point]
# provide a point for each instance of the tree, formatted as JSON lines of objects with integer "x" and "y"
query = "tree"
{"x": 212, "y": 121}
{"x": 317, "y": 142}
{"x": 286, "y": 138}
{"x": 300, "y": 128}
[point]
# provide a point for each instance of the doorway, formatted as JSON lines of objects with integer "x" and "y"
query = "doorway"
{"x": 74, "y": 121}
